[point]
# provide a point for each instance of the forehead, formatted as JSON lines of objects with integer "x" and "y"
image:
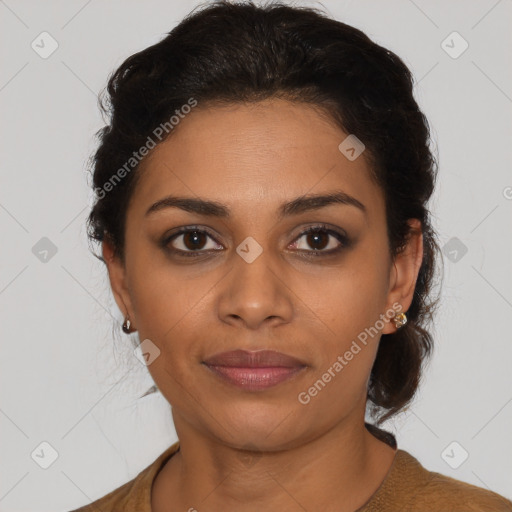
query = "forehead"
{"x": 244, "y": 154}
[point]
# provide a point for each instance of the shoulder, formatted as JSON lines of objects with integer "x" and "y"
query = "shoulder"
{"x": 420, "y": 490}
{"x": 116, "y": 499}
{"x": 456, "y": 496}
{"x": 135, "y": 495}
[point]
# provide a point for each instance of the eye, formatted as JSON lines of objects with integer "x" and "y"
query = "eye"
{"x": 316, "y": 240}
{"x": 321, "y": 240}
{"x": 191, "y": 240}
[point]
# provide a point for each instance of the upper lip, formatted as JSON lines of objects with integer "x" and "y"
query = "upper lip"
{"x": 253, "y": 359}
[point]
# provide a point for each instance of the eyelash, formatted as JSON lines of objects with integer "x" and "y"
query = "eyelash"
{"x": 341, "y": 237}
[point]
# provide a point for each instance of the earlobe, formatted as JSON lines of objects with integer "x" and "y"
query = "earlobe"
{"x": 406, "y": 265}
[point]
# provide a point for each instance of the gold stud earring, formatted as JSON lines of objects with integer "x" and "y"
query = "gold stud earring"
{"x": 126, "y": 325}
{"x": 400, "y": 320}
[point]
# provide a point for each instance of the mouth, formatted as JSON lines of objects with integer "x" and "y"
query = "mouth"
{"x": 256, "y": 370}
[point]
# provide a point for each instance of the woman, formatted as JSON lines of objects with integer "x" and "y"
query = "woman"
{"x": 261, "y": 203}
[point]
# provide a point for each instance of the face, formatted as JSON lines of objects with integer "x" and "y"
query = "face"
{"x": 247, "y": 274}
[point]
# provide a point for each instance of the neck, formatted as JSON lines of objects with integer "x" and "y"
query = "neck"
{"x": 339, "y": 470}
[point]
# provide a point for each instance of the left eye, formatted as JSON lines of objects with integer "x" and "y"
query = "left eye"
{"x": 319, "y": 240}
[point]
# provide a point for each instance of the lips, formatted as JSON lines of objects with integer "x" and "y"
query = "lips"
{"x": 254, "y": 359}
{"x": 256, "y": 370}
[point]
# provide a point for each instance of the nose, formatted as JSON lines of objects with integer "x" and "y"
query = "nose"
{"x": 255, "y": 293}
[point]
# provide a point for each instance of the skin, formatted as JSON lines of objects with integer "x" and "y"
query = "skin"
{"x": 252, "y": 158}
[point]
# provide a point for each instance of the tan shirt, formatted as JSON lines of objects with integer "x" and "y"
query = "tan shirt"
{"x": 407, "y": 487}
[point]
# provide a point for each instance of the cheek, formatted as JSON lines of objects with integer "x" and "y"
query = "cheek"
{"x": 350, "y": 304}
{"x": 351, "y": 309}
{"x": 354, "y": 295}
{"x": 161, "y": 296}
{"x": 170, "y": 307}
{"x": 168, "y": 311}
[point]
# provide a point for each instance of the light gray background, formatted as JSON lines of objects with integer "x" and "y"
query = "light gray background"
{"x": 67, "y": 380}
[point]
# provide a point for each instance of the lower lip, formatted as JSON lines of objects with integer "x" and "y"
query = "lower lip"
{"x": 255, "y": 379}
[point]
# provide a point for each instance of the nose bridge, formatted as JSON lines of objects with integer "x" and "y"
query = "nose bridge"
{"x": 253, "y": 273}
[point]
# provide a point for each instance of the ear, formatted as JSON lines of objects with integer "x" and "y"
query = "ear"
{"x": 404, "y": 273}
{"x": 118, "y": 281}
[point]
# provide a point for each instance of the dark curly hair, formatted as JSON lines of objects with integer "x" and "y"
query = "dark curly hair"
{"x": 233, "y": 52}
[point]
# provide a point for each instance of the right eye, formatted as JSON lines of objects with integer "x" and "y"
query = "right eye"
{"x": 190, "y": 242}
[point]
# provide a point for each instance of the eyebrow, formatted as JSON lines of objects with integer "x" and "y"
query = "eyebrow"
{"x": 297, "y": 206}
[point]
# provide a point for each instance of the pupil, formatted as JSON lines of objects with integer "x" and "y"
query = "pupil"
{"x": 313, "y": 240}
{"x": 193, "y": 237}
